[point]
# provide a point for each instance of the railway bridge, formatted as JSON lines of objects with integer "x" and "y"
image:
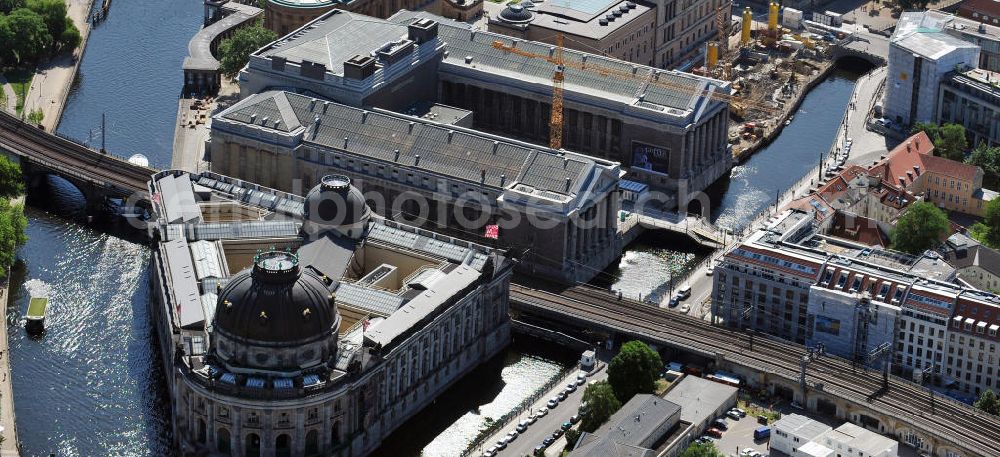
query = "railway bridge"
{"x": 935, "y": 425}
{"x": 98, "y": 175}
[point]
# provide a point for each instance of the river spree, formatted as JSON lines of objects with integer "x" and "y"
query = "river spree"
{"x": 92, "y": 385}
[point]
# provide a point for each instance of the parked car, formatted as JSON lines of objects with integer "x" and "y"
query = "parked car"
{"x": 721, "y": 424}
{"x": 684, "y": 308}
{"x": 714, "y": 432}
{"x": 703, "y": 439}
{"x": 502, "y": 444}
{"x": 749, "y": 452}
{"x": 733, "y": 415}
{"x": 571, "y": 387}
{"x": 532, "y": 418}
{"x": 566, "y": 425}
{"x": 490, "y": 452}
{"x": 740, "y": 412}
{"x": 548, "y": 441}
{"x": 762, "y": 419}
{"x": 562, "y": 395}
{"x": 556, "y": 434}
{"x": 574, "y": 418}
{"x": 674, "y": 301}
{"x": 581, "y": 378}
{"x": 553, "y": 402}
{"x": 583, "y": 408}
{"x": 539, "y": 449}
{"x": 541, "y": 412}
{"x": 710, "y": 270}
{"x": 511, "y": 436}
{"x": 523, "y": 426}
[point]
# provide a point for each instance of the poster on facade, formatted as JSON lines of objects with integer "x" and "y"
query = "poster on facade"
{"x": 826, "y": 325}
{"x": 651, "y": 158}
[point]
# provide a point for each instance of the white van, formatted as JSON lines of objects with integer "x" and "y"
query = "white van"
{"x": 684, "y": 291}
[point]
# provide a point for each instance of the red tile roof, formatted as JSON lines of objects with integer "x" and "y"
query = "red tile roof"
{"x": 990, "y": 7}
{"x": 917, "y": 151}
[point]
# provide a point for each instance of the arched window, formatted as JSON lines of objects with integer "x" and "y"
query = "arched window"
{"x": 251, "y": 446}
{"x": 312, "y": 443}
{"x": 283, "y": 446}
{"x": 222, "y": 441}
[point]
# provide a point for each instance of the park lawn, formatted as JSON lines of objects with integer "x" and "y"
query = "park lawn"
{"x": 20, "y": 80}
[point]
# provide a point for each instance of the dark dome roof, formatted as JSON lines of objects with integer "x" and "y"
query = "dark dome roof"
{"x": 334, "y": 202}
{"x": 276, "y": 302}
{"x": 515, "y": 13}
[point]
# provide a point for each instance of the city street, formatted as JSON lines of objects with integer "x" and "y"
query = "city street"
{"x": 543, "y": 427}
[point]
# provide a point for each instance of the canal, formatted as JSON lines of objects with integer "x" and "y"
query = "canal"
{"x": 93, "y": 385}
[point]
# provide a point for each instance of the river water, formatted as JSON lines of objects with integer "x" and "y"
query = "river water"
{"x": 93, "y": 385}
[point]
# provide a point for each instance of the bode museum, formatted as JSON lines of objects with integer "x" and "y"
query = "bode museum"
{"x": 294, "y": 326}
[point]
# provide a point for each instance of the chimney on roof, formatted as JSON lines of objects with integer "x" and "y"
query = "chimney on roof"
{"x": 916, "y": 169}
{"x": 503, "y": 179}
{"x": 902, "y": 181}
{"x": 359, "y": 67}
{"x": 396, "y": 157}
{"x": 907, "y": 146}
{"x": 422, "y": 30}
{"x": 568, "y": 182}
{"x": 416, "y": 160}
{"x": 482, "y": 175}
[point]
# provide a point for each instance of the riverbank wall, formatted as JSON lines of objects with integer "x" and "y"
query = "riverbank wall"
{"x": 789, "y": 109}
{"x": 10, "y": 446}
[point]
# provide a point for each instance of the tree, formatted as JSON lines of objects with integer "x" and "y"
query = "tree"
{"x": 930, "y": 128}
{"x": 601, "y": 404}
{"x": 70, "y": 37}
{"x": 706, "y": 449}
{"x": 951, "y": 142}
{"x": 12, "y": 233}
{"x": 53, "y": 12}
{"x": 910, "y": 5}
{"x": 988, "y": 402}
{"x": 988, "y": 231}
{"x": 572, "y": 436}
{"x": 919, "y": 228}
{"x": 634, "y": 370}
{"x": 987, "y": 158}
{"x": 11, "y": 179}
{"x": 29, "y": 35}
{"x": 235, "y": 51}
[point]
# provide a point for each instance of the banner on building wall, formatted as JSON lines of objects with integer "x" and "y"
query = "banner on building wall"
{"x": 650, "y": 158}
{"x": 826, "y": 325}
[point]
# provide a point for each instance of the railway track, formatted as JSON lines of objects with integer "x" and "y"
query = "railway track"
{"x": 959, "y": 424}
{"x": 69, "y": 158}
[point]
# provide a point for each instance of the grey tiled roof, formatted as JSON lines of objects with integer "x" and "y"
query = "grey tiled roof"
{"x": 442, "y": 149}
{"x": 334, "y": 39}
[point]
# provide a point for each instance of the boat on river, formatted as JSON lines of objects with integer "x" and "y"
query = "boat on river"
{"x": 36, "y": 315}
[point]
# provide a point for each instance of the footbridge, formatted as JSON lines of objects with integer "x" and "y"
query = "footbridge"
{"x": 697, "y": 228}
{"x": 96, "y": 174}
{"x": 935, "y": 425}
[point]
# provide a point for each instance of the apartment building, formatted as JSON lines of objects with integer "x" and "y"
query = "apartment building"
{"x": 862, "y": 303}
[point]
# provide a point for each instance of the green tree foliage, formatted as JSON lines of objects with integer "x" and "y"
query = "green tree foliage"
{"x": 572, "y": 436}
{"x": 919, "y": 228}
{"x": 988, "y": 231}
{"x": 913, "y": 5}
{"x": 11, "y": 180}
{"x": 701, "y": 450}
{"x": 27, "y": 36}
{"x": 988, "y": 402}
{"x": 930, "y": 128}
{"x": 235, "y": 51}
{"x": 70, "y": 37}
{"x": 601, "y": 404}
{"x": 987, "y": 158}
{"x": 12, "y": 233}
{"x": 951, "y": 142}
{"x": 634, "y": 370}
{"x": 54, "y": 14}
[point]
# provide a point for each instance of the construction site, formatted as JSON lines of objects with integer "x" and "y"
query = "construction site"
{"x": 771, "y": 67}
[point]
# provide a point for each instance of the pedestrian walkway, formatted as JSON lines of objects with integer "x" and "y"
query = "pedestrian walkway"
{"x": 9, "y": 447}
{"x": 10, "y": 97}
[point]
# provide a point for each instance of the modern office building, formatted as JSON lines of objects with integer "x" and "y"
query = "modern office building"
{"x": 663, "y": 125}
{"x": 921, "y": 53}
{"x": 557, "y": 209}
{"x": 791, "y": 281}
{"x": 662, "y": 34}
{"x": 309, "y": 326}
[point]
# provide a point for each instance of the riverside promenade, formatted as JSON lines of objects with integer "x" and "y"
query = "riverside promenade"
{"x": 50, "y": 86}
{"x": 10, "y": 445}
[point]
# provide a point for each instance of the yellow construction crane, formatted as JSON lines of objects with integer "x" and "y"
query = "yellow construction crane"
{"x": 558, "y": 78}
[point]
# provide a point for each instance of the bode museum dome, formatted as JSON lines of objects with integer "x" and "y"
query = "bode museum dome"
{"x": 294, "y": 326}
